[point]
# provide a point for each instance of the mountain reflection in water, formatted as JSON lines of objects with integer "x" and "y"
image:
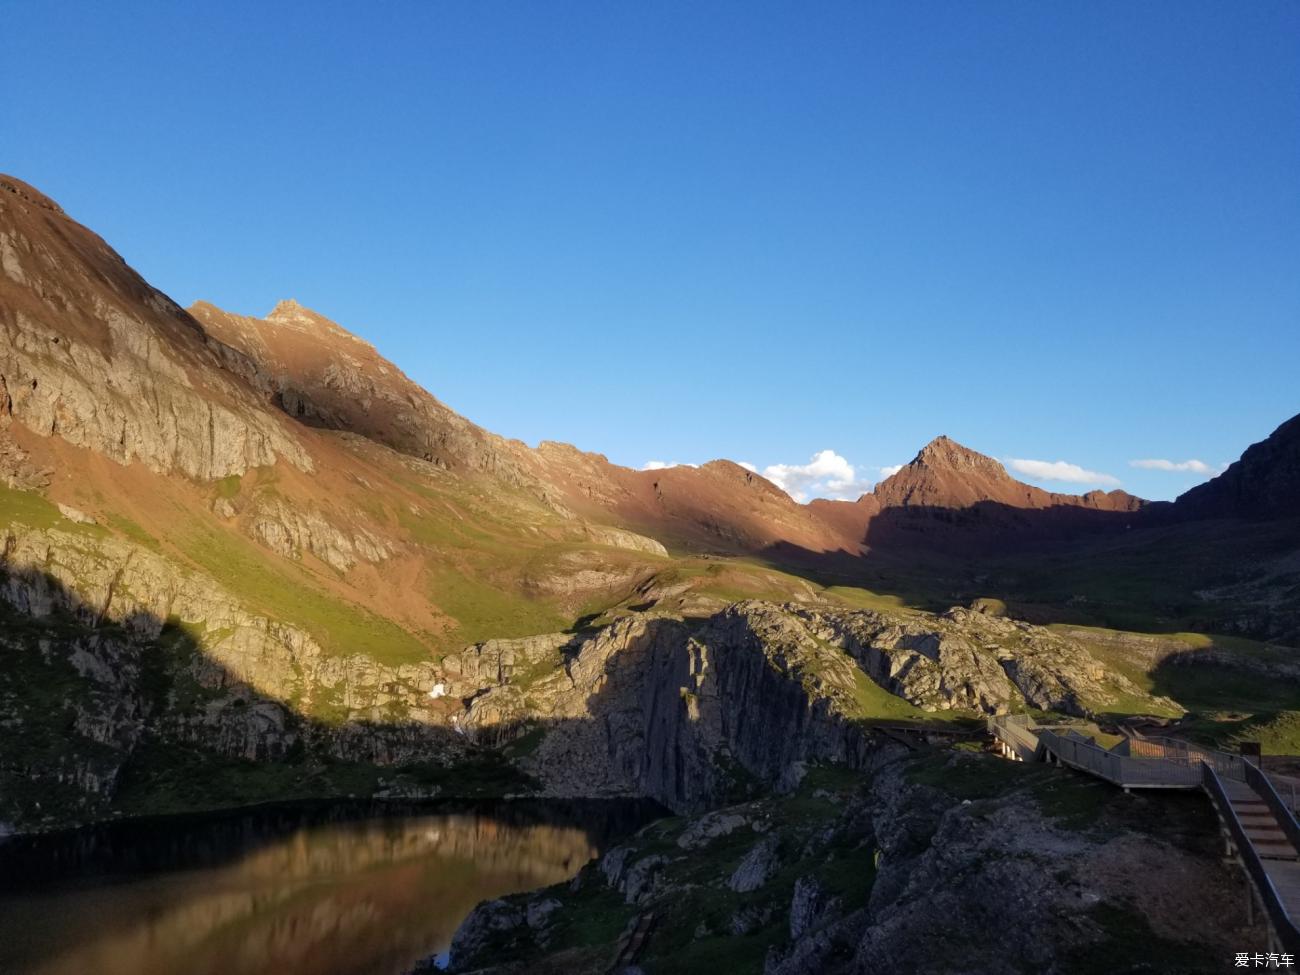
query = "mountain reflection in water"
{"x": 355, "y": 897}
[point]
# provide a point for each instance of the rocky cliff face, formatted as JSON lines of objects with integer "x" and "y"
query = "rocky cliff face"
{"x": 92, "y": 354}
{"x": 109, "y": 647}
{"x": 688, "y": 712}
{"x": 970, "y": 660}
{"x": 684, "y": 713}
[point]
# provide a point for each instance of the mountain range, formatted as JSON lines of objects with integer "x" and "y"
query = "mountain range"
{"x": 315, "y": 527}
{"x": 297, "y": 443}
{"x": 248, "y": 559}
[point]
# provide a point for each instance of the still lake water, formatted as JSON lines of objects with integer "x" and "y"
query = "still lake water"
{"x": 290, "y": 891}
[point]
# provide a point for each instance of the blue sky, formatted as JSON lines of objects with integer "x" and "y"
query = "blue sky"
{"x": 675, "y": 231}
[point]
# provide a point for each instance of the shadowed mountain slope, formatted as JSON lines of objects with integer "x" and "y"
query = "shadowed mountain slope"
{"x": 1264, "y": 483}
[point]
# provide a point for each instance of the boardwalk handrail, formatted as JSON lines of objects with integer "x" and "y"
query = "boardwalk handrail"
{"x": 1016, "y": 731}
{"x": 1283, "y": 926}
{"x": 1257, "y": 780}
{"x": 1122, "y": 770}
{"x": 1084, "y": 755}
{"x": 1147, "y": 762}
{"x": 1177, "y": 750}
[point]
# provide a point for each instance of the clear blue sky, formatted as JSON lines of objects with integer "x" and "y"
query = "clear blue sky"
{"x": 675, "y": 231}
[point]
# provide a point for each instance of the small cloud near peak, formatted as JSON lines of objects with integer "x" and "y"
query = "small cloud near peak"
{"x": 1193, "y": 466}
{"x": 1060, "y": 470}
{"x": 826, "y": 475}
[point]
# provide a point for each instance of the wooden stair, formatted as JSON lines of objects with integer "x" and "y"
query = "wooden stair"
{"x": 1260, "y": 824}
{"x": 631, "y": 944}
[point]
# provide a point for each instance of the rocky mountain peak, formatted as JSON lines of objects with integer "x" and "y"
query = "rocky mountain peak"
{"x": 289, "y": 311}
{"x": 943, "y": 453}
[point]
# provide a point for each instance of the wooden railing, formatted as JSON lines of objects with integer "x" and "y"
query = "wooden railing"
{"x": 1283, "y": 926}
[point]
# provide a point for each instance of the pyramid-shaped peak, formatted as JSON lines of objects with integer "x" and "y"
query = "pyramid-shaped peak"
{"x": 944, "y": 453}
{"x": 289, "y": 308}
{"x": 293, "y": 314}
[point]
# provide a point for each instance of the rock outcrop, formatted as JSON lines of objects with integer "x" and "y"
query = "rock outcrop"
{"x": 974, "y": 661}
{"x": 947, "y": 864}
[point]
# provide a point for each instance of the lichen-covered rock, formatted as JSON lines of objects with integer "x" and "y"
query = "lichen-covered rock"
{"x": 757, "y": 866}
{"x": 709, "y": 827}
{"x": 966, "y": 659}
{"x": 488, "y": 922}
{"x": 290, "y": 531}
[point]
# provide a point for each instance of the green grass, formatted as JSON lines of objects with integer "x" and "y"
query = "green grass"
{"x": 525, "y": 744}
{"x": 740, "y": 954}
{"x": 285, "y": 593}
{"x": 31, "y": 509}
{"x": 1277, "y": 732}
{"x": 1146, "y": 581}
{"x": 874, "y": 704}
{"x": 129, "y": 529}
{"x": 1205, "y": 688}
{"x": 486, "y": 611}
{"x": 1196, "y": 686}
{"x": 857, "y": 598}
{"x": 228, "y": 487}
{"x": 1074, "y": 801}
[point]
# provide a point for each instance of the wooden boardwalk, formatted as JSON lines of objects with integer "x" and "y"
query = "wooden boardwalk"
{"x": 1258, "y": 824}
{"x": 632, "y": 941}
{"x": 1277, "y": 852}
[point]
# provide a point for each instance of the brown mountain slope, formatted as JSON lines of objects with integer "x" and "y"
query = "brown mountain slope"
{"x": 954, "y": 499}
{"x": 947, "y": 475}
{"x": 325, "y": 376}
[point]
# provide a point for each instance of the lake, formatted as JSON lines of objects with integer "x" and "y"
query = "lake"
{"x": 354, "y": 889}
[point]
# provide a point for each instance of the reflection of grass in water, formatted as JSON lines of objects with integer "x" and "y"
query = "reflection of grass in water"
{"x": 377, "y": 894}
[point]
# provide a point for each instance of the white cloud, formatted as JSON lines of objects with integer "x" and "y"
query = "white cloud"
{"x": 660, "y": 465}
{"x": 1059, "y": 470}
{"x": 748, "y": 466}
{"x": 826, "y": 475}
{"x": 1155, "y": 464}
{"x": 891, "y": 470}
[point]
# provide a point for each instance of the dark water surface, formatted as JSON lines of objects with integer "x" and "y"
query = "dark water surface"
{"x": 338, "y": 890}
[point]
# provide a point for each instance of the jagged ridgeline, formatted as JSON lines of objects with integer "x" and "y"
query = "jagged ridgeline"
{"x": 247, "y": 559}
